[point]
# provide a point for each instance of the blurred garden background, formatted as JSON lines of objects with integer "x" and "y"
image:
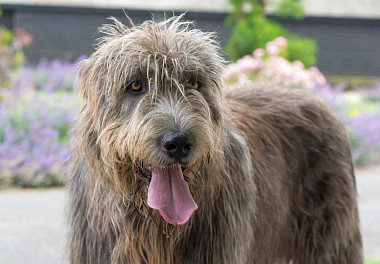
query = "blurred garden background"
{"x": 330, "y": 48}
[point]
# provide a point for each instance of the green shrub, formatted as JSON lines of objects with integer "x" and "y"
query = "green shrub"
{"x": 252, "y": 30}
{"x": 290, "y": 9}
{"x": 302, "y": 49}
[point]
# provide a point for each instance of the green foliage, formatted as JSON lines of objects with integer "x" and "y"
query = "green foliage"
{"x": 302, "y": 49}
{"x": 250, "y": 33}
{"x": 11, "y": 52}
{"x": 252, "y": 30}
{"x": 372, "y": 261}
{"x": 6, "y": 36}
{"x": 42, "y": 181}
{"x": 290, "y": 9}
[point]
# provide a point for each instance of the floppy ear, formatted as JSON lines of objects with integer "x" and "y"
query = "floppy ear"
{"x": 86, "y": 86}
{"x": 81, "y": 79}
{"x": 87, "y": 83}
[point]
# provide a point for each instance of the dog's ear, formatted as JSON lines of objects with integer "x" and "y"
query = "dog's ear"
{"x": 81, "y": 81}
{"x": 87, "y": 84}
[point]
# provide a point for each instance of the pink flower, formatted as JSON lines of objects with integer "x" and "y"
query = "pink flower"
{"x": 281, "y": 41}
{"x": 25, "y": 38}
{"x": 258, "y": 53}
{"x": 272, "y": 48}
{"x": 298, "y": 65}
{"x": 274, "y": 69}
{"x": 248, "y": 64}
{"x": 318, "y": 76}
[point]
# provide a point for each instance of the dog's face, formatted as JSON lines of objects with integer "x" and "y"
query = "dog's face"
{"x": 153, "y": 96}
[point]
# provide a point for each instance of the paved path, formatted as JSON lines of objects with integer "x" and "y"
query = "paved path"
{"x": 32, "y": 228}
{"x": 368, "y": 182}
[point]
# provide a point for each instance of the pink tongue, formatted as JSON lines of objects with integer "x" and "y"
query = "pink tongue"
{"x": 169, "y": 194}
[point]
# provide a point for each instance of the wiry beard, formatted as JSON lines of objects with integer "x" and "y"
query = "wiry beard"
{"x": 143, "y": 176}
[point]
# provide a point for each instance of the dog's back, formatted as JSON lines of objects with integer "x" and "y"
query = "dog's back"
{"x": 306, "y": 206}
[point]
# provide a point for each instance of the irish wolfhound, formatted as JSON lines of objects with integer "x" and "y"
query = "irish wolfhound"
{"x": 168, "y": 166}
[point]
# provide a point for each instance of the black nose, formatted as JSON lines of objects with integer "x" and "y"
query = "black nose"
{"x": 177, "y": 145}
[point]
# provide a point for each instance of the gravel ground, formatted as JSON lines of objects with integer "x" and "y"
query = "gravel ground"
{"x": 32, "y": 227}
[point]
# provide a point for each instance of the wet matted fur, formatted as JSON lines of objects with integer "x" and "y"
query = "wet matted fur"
{"x": 269, "y": 169}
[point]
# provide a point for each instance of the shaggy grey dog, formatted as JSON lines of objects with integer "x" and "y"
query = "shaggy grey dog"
{"x": 167, "y": 166}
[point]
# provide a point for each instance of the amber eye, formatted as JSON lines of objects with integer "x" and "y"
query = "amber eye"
{"x": 195, "y": 85}
{"x": 135, "y": 87}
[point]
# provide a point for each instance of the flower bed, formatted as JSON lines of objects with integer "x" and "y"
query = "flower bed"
{"x": 36, "y": 111}
{"x": 360, "y": 112}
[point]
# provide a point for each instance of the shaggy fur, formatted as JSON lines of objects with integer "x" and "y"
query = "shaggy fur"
{"x": 270, "y": 169}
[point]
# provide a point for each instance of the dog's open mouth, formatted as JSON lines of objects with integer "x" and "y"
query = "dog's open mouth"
{"x": 169, "y": 193}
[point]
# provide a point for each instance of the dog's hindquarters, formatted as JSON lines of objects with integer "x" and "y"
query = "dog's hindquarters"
{"x": 307, "y": 208}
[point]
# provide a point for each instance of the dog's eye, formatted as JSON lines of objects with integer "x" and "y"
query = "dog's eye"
{"x": 135, "y": 87}
{"x": 195, "y": 85}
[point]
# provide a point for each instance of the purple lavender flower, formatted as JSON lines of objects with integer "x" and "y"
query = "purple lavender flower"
{"x": 35, "y": 114}
{"x": 361, "y": 117}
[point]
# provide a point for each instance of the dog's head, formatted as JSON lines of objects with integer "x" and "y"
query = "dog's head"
{"x": 151, "y": 110}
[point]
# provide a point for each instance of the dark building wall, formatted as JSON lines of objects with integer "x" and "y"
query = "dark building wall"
{"x": 61, "y": 32}
{"x": 346, "y": 46}
{"x": 6, "y": 18}
{"x": 58, "y": 35}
